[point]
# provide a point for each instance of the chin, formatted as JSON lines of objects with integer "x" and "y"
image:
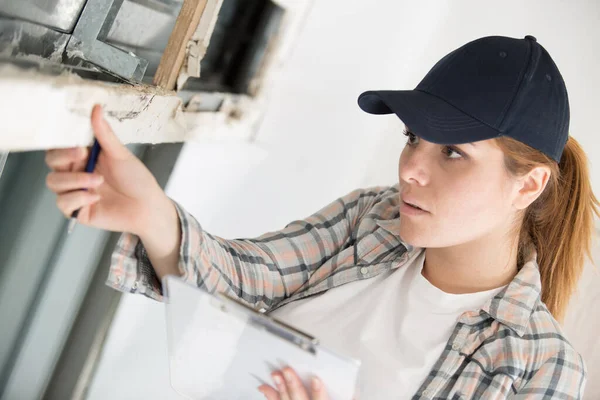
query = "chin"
{"x": 414, "y": 237}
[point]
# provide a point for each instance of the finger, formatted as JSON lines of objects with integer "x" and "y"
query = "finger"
{"x": 294, "y": 385}
{"x": 281, "y": 387}
{"x": 109, "y": 142}
{"x": 63, "y": 159}
{"x": 269, "y": 392}
{"x": 60, "y": 182}
{"x": 69, "y": 202}
{"x": 79, "y": 165}
{"x": 317, "y": 389}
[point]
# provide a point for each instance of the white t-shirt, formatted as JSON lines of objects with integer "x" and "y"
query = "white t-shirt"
{"x": 396, "y": 323}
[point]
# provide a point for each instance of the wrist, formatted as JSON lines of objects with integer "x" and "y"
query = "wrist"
{"x": 161, "y": 237}
{"x": 157, "y": 219}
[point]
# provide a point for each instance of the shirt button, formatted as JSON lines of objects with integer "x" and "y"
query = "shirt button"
{"x": 364, "y": 270}
{"x": 135, "y": 285}
{"x": 426, "y": 393}
{"x": 455, "y": 346}
{"x": 118, "y": 279}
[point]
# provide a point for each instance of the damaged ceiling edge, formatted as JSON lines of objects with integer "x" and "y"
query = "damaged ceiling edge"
{"x": 138, "y": 114}
{"x": 141, "y": 113}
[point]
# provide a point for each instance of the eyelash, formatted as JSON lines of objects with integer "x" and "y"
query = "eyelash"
{"x": 447, "y": 149}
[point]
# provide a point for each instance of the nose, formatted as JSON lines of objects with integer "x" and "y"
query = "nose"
{"x": 413, "y": 166}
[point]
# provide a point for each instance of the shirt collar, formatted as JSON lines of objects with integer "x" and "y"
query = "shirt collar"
{"x": 392, "y": 226}
{"x": 513, "y": 305}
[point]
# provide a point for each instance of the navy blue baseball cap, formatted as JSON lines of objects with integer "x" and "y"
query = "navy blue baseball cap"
{"x": 490, "y": 87}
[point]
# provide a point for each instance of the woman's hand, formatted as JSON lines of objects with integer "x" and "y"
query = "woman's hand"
{"x": 121, "y": 192}
{"x": 121, "y": 195}
{"x": 290, "y": 387}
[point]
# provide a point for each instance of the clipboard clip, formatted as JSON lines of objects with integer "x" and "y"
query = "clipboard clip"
{"x": 279, "y": 328}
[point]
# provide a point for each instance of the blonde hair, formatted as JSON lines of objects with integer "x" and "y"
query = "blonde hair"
{"x": 560, "y": 223}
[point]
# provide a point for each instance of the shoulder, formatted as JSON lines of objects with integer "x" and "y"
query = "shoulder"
{"x": 381, "y": 200}
{"x": 548, "y": 342}
{"x": 385, "y": 197}
{"x": 372, "y": 193}
{"x": 543, "y": 356}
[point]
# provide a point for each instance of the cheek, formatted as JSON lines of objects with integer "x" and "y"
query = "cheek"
{"x": 465, "y": 197}
{"x": 464, "y": 210}
{"x": 473, "y": 206}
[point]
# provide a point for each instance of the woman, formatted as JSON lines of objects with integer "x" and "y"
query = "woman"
{"x": 447, "y": 285}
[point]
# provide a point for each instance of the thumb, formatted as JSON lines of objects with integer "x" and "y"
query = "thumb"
{"x": 107, "y": 139}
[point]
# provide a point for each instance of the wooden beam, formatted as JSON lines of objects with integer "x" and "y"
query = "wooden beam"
{"x": 200, "y": 39}
{"x": 174, "y": 54}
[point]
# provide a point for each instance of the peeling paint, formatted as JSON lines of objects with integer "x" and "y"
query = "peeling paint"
{"x": 132, "y": 114}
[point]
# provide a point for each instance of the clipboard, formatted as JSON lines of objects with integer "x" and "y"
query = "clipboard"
{"x": 222, "y": 349}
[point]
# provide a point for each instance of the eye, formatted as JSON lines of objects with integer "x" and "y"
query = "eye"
{"x": 412, "y": 139}
{"x": 452, "y": 153}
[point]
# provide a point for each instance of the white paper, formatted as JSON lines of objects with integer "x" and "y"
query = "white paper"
{"x": 222, "y": 356}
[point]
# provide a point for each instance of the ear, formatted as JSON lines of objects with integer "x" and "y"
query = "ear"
{"x": 531, "y": 186}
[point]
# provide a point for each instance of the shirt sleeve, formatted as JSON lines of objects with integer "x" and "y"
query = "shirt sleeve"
{"x": 562, "y": 376}
{"x": 260, "y": 271}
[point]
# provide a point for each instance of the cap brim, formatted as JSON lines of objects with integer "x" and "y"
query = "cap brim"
{"x": 427, "y": 116}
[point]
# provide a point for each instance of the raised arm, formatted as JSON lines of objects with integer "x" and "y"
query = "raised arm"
{"x": 262, "y": 270}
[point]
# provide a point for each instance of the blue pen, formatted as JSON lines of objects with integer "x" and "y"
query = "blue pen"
{"x": 89, "y": 167}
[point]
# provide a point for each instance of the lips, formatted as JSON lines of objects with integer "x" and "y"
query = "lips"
{"x": 417, "y": 207}
{"x": 414, "y": 204}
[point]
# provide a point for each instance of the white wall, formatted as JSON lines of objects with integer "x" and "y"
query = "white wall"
{"x": 315, "y": 144}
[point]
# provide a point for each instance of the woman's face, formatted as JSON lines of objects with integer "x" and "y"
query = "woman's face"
{"x": 465, "y": 190}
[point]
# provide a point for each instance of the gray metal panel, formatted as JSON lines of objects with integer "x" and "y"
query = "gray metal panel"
{"x": 140, "y": 26}
{"x": 143, "y": 27}
{"x": 3, "y": 158}
{"x": 105, "y": 27}
{"x": 78, "y": 359}
{"x": 21, "y": 38}
{"x": 58, "y": 14}
{"x": 53, "y": 313}
{"x": 31, "y": 227}
{"x": 87, "y": 41}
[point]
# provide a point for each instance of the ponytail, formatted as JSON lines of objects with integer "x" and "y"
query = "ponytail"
{"x": 560, "y": 223}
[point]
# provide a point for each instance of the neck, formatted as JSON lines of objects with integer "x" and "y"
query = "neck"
{"x": 484, "y": 264}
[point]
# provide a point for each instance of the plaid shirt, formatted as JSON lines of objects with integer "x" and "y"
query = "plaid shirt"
{"x": 510, "y": 348}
